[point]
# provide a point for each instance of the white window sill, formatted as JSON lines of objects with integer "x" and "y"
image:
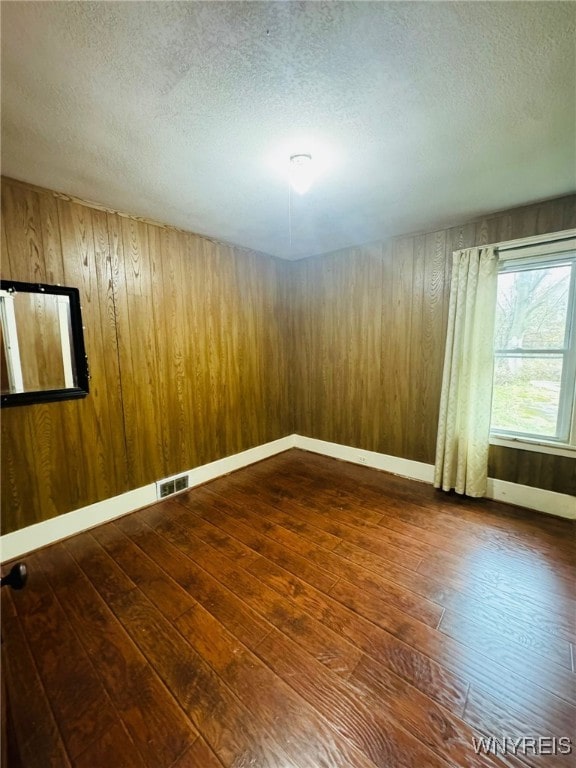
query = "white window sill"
{"x": 524, "y": 444}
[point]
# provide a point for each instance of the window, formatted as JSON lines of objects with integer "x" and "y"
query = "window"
{"x": 535, "y": 346}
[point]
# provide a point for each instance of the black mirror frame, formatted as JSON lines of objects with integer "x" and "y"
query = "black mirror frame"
{"x": 80, "y": 357}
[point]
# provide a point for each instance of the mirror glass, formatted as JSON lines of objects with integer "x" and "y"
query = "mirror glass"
{"x": 42, "y": 345}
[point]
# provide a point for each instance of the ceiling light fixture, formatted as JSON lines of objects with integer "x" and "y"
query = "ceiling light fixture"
{"x": 301, "y": 173}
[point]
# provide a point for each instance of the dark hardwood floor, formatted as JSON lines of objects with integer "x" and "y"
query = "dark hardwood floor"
{"x": 300, "y": 613}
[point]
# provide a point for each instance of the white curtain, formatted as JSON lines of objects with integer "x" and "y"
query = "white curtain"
{"x": 465, "y": 404}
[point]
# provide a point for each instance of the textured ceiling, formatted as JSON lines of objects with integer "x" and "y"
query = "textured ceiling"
{"x": 418, "y": 114}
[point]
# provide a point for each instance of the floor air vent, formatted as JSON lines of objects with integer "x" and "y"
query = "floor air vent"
{"x": 166, "y": 488}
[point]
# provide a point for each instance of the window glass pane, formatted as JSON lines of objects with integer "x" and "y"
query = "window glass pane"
{"x": 526, "y": 394}
{"x": 532, "y": 308}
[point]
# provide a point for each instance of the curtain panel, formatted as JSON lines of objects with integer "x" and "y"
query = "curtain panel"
{"x": 466, "y": 399}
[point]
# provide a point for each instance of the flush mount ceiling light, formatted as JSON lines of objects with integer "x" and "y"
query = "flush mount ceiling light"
{"x": 301, "y": 173}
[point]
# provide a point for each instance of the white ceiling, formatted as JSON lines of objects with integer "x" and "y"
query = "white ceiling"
{"x": 420, "y": 114}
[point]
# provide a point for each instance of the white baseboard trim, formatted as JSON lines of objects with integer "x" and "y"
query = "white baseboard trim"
{"x": 550, "y": 502}
{"x": 60, "y": 527}
{"x": 415, "y": 470}
{"x": 33, "y": 537}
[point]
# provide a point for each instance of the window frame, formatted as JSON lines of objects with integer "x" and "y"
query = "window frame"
{"x": 71, "y": 339}
{"x": 546, "y": 249}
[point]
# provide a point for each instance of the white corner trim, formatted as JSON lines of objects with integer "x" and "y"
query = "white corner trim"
{"x": 550, "y": 502}
{"x": 414, "y": 470}
{"x": 220, "y": 467}
{"x": 559, "y": 504}
{"x": 47, "y": 532}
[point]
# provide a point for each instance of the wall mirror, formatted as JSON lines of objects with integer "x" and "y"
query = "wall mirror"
{"x": 41, "y": 344}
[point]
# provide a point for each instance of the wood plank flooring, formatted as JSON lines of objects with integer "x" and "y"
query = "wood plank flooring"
{"x": 300, "y": 613}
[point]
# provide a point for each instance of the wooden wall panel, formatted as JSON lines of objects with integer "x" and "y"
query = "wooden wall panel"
{"x": 51, "y": 240}
{"x": 340, "y": 315}
{"x": 109, "y": 410}
{"x": 185, "y": 344}
{"x": 24, "y": 255}
{"x": 175, "y": 398}
{"x": 26, "y": 435}
{"x": 138, "y": 325}
{"x": 396, "y": 319}
{"x": 38, "y": 318}
{"x": 333, "y": 308}
{"x": 198, "y": 350}
{"x": 60, "y": 456}
{"x": 97, "y": 422}
{"x": 283, "y": 378}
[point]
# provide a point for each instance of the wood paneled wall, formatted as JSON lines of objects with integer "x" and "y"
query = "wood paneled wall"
{"x": 370, "y": 325}
{"x": 199, "y": 350}
{"x": 184, "y": 340}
